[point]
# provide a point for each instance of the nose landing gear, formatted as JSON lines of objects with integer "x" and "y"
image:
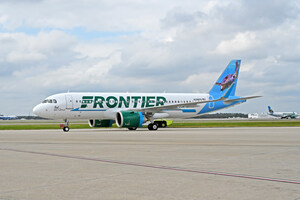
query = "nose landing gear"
{"x": 66, "y": 126}
{"x": 66, "y": 129}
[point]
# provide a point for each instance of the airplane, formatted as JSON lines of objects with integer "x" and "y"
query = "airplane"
{"x": 3, "y": 117}
{"x": 132, "y": 110}
{"x": 282, "y": 115}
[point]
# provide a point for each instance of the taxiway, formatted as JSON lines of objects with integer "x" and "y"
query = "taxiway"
{"x": 193, "y": 163}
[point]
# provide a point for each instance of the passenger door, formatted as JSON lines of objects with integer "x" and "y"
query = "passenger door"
{"x": 69, "y": 101}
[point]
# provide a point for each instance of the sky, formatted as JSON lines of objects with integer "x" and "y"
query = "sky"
{"x": 54, "y": 46}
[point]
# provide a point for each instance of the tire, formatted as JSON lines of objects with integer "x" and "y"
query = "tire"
{"x": 159, "y": 123}
{"x": 66, "y": 129}
{"x": 132, "y": 128}
{"x": 150, "y": 126}
{"x": 164, "y": 124}
{"x": 154, "y": 126}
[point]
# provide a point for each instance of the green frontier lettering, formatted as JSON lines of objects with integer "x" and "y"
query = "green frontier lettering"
{"x": 135, "y": 99}
{"x": 160, "y": 101}
{"x": 113, "y": 102}
{"x": 123, "y": 101}
{"x": 98, "y": 101}
{"x": 86, "y": 100}
{"x": 143, "y": 102}
{"x": 150, "y": 102}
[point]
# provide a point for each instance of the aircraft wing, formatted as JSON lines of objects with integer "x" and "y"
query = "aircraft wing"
{"x": 173, "y": 106}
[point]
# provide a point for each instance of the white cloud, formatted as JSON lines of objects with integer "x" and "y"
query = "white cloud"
{"x": 241, "y": 42}
{"x": 16, "y": 57}
{"x": 200, "y": 82}
{"x": 152, "y": 46}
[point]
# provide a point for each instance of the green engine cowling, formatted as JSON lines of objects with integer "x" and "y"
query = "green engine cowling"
{"x": 129, "y": 119}
{"x": 100, "y": 123}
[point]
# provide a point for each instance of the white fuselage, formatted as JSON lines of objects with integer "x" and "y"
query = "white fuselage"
{"x": 106, "y": 105}
{"x": 284, "y": 114}
{"x": 4, "y": 117}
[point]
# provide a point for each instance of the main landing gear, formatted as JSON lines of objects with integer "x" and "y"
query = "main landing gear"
{"x": 157, "y": 124}
{"x": 161, "y": 124}
{"x": 153, "y": 126}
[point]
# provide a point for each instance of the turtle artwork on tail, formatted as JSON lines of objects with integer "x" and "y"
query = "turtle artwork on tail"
{"x": 229, "y": 79}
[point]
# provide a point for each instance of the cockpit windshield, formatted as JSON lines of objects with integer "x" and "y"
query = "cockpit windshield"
{"x": 50, "y": 101}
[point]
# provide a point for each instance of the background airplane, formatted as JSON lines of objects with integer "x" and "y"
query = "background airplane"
{"x": 131, "y": 110}
{"x": 5, "y": 117}
{"x": 282, "y": 115}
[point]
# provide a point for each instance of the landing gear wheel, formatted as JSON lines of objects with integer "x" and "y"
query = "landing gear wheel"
{"x": 152, "y": 126}
{"x": 66, "y": 126}
{"x": 164, "y": 124}
{"x": 66, "y": 129}
{"x": 132, "y": 128}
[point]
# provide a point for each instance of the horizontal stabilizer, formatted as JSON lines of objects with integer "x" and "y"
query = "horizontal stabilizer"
{"x": 239, "y": 99}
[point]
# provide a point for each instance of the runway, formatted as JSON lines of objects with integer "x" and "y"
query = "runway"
{"x": 196, "y": 163}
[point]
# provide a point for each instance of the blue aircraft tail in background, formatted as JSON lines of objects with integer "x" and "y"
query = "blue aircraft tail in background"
{"x": 270, "y": 110}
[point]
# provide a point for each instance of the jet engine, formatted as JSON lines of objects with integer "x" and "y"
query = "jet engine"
{"x": 100, "y": 123}
{"x": 129, "y": 119}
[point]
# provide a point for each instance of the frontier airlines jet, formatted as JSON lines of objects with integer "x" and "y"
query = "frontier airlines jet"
{"x": 131, "y": 110}
{"x": 282, "y": 115}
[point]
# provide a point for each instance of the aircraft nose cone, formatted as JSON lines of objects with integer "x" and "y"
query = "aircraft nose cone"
{"x": 37, "y": 110}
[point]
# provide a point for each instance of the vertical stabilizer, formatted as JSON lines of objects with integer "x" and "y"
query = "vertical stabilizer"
{"x": 227, "y": 81}
{"x": 270, "y": 110}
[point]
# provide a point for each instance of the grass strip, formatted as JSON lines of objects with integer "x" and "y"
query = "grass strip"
{"x": 237, "y": 124}
{"x": 174, "y": 125}
{"x": 40, "y": 127}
